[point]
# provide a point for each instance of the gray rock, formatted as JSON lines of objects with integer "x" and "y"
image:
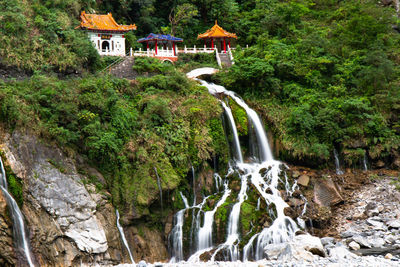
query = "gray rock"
{"x": 310, "y": 243}
{"x": 327, "y": 241}
{"x": 348, "y": 234}
{"x": 393, "y": 224}
{"x": 142, "y": 264}
{"x": 273, "y": 250}
{"x": 292, "y": 252}
{"x": 377, "y": 225}
{"x": 377, "y": 242}
{"x": 354, "y": 246}
{"x": 363, "y": 241}
{"x": 340, "y": 253}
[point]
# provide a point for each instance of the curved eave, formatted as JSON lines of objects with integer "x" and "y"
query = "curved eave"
{"x": 217, "y": 36}
{"x": 106, "y": 30}
{"x": 159, "y": 40}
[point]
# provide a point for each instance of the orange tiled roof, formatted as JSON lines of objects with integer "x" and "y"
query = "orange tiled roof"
{"x": 217, "y": 32}
{"x": 103, "y": 23}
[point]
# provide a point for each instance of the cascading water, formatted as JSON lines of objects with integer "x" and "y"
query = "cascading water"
{"x": 159, "y": 188}
{"x": 264, "y": 175}
{"x": 365, "y": 162}
{"x": 337, "y": 162}
{"x": 17, "y": 218}
{"x": 121, "y": 232}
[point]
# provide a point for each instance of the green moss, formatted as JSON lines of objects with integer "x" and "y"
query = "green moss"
{"x": 15, "y": 186}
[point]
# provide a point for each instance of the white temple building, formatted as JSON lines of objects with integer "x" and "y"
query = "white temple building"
{"x": 105, "y": 33}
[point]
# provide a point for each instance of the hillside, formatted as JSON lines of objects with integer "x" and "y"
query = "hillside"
{"x": 79, "y": 144}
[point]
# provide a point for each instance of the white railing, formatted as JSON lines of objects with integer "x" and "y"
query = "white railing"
{"x": 218, "y": 58}
{"x": 195, "y": 50}
{"x": 108, "y": 52}
{"x": 230, "y": 55}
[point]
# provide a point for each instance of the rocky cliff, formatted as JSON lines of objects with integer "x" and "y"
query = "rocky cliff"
{"x": 69, "y": 222}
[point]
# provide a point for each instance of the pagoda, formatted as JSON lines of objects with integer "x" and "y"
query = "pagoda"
{"x": 105, "y": 33}
{"x": 165, "y": 40}
{"x": 215, "y": 34}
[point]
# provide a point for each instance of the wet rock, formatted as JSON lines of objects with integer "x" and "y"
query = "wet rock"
{"x": 380, "y": 164}
{"x": 272, "y": 251}
{"x": 354, "y": 246}
{"x": 303, "y": 180}
{"x": 7, "y": 254}
{"x": 296, "y": 174}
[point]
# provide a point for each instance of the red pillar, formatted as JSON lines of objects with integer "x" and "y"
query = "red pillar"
{"x": 156, "y": 47}
{"x": 173, "y": 47}
{"x": 147, "y": 42}
{"x": 212, "y": 43}
{"x": 224, "y": 46}
{"x": 229, "y": 43}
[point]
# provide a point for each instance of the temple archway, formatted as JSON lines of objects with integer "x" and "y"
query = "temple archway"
{"x": 105, "y": 46}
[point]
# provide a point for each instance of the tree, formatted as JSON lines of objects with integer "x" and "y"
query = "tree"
{"x": 181, "y": 15}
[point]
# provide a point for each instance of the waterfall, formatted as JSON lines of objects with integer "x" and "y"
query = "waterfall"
{"x": 265, "y": 151}
{"x": 337, "y": 162}
{"x": 121, "y": 232}
{"x": 17, "y": 218}
{"x": 236, "y": 142}
{"x": 365, "y": 162}
{"x": 265, "y": 177}
{"x": 159, "y": 188}
{"x": 176, "y": 234}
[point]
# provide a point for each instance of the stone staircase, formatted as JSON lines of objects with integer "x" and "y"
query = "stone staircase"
{"x": 226, "y": 61}
{"x": 124, "y": 69}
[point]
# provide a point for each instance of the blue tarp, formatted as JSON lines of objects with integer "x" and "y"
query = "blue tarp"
{"x": 160, "y": 37}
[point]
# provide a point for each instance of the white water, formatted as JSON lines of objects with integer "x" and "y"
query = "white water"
{"x": 17, "y": 218}
{"x": 265, "y": 151}
{"x": 177, "y": 234}
{"x": 205, "y": 232}
{"x": 264, "y": 176}
{"x": 236, "y": 142}
{"x": 365, "y": 162}
{"x": 337, "y": 162}
{"x": 121, "y": 232}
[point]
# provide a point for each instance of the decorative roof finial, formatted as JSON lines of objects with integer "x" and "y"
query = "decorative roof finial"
{"x": 216, "y": 22}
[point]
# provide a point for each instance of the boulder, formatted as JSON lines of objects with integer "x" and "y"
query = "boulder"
{"x": 303, "y": 180}
{"x": 310, "y": 243}
{"x": 354, "y": 246}
{"x": 394, "y": 224}
{"x": 341, "y": 253}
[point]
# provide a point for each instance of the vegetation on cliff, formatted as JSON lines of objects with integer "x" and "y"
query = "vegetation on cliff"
{"x": 125, "y": 129}
{"x": 324, "y": 74}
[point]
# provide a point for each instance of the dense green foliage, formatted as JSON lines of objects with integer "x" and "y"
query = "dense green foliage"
{"x": 125, "y": 130}
{"x": 324, "y": 74}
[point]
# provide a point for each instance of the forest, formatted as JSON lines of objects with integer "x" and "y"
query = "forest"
{"x": 323, "y": 74}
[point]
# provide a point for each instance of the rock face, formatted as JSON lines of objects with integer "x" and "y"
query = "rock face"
{"x": 68, "y": 222}
{"x": 7, "y": 255}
